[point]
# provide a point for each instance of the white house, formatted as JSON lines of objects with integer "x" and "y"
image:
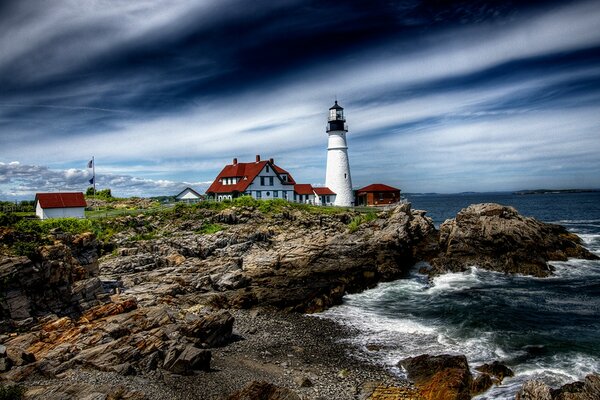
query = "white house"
{"x": 60, "y": 205}
{"x": 189, "y": 195}
{"x": 262, "y": 180}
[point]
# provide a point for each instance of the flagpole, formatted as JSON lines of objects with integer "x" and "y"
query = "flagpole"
{"x": 94, "y": 174}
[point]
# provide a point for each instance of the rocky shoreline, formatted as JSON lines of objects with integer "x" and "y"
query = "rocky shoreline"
{"x": 200, "y": 303}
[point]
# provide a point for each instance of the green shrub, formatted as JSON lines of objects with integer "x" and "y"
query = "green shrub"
{"x": 14, "y": 392}
{"x": 209, "y": 228}
{"x": 359, "y": 220}
{"x": 8, "y": 219}
{"x": 273, "y": 206}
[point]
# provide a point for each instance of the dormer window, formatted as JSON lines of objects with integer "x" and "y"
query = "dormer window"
{"x": 284, "y": 178}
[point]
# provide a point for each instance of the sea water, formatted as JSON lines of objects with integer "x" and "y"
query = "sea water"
{"x": 542, "y": 328}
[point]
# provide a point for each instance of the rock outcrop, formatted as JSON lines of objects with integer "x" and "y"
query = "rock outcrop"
{"x": 448, "y": 377}
{"x": 292, "y": 260}
{"x": 264, "y": 391}
{"x": 588, "y": 389}
{"x": 62, "y": 279}
{"x": 498, "y": 238}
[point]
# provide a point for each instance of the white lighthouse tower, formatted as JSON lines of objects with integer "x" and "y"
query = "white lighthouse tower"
{"x": 338, "y": 167}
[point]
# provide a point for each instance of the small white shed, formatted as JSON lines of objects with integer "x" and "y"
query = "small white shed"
{"x": 60, "y": 205}
{"x": 189, "y": 195}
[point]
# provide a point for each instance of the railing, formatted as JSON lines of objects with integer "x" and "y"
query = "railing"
{"x": 337, "y": 129}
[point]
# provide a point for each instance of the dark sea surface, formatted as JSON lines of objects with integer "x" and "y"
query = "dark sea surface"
{"x": 542, "y": 328}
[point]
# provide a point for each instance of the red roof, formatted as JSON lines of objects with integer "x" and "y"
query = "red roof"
{"x": 323, "y": 191}
{"x": 377, "y": 187}
{"x": 60, "y": 200}
{"x": 303, "y": 188}
{"x": 247, "y": 172}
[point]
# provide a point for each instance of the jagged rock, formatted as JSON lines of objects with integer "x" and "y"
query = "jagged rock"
{"x": 534, "y": 390}
{"x": 589, "y": 389}
{"x": 381, "y": 391}
{"x": 186, "y": 360}
{"x": 496, "y": 370}
{"x": 498, "y": 238}
{"x": 440, "y": 377}
{"x": 481, "y": 383}
{"x": 264, "y": 391}
{"x": 212, "y": 330}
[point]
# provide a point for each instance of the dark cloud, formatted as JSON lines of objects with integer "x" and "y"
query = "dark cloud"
{"x": 162, "y": 81}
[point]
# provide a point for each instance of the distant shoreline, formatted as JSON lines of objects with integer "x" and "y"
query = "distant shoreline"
{"x": 561, "y": 191}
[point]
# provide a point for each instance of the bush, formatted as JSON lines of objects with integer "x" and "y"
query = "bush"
{"x": 8, "y": 219}
{"x": 359, "y": 220}
{"x": 14, "y": 392}
{"x": 209, "y": 228}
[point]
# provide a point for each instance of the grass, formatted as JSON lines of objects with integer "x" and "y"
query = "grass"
{"x": 209, "y": 228}
{"x": 357, "y": 221}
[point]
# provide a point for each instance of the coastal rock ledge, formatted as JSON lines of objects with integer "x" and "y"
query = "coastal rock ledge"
{"x": 498, "y": 238}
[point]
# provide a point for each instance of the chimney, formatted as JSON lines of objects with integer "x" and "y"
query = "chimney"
{"x": 258, "y": 158}
{"x": 271, "y": 161}
{"x": 235, "y": 161}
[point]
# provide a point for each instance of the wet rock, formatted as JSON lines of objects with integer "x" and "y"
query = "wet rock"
{"x": 264, "y": 391}
{"x": 496, "y": 370}
{"x": 589, "y": 389}
{"x": 440, "y": 377}
{"x": 482, "y": 383}
{"x": 534, "y": 390}
{"x": 498, "y": 238}
{"x": 381, "y": 391}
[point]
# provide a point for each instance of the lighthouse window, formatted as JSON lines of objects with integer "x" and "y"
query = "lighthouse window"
{"x": 345, "y": 176}
{"x": 332, "y": 114}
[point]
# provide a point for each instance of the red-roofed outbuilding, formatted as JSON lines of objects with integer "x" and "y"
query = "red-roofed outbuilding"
{"x": 377, "y": 194}
{"x": 60, "y": 205}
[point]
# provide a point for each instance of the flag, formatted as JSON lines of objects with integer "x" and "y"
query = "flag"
{"x": 90, "y": 163}
{"x": 92, "y": 180}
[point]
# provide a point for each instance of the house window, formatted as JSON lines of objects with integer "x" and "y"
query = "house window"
{"x": 270, "y": 181}
{"x": 267, "y": 168}
{"x": 268, "y": 194}
{"x": 381, "y": 196}
{"x": 258, "y": 194}
{"x": 276, "y": 193}
{"x": 262, "y": 181}
{"x": 285, "y": 194}
{"x": 284, "y": 178}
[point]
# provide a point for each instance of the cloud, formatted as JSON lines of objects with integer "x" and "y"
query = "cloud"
{"x": 22, "y": 181}
{"x": 172, "y": 96}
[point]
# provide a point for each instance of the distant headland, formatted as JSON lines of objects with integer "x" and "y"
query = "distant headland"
{"x": 554, "y": 191}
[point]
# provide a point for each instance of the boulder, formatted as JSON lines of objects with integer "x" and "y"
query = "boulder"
{"x": 211, "y": 330}
{"x": 534, "y": 390}
{"x": 496, "y": 370}
{"x": 188, "y": 360}
{"x": 264, "y": 391}
{"x": 440, "y": 377}
{"x": 588, "y": 389}
{"x": 498, "y": 238}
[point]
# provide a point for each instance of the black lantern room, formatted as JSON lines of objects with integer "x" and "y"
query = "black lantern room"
{"x": 336, "y": 120}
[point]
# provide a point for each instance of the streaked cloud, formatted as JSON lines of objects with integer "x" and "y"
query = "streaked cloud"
{"x": 447, "y": 97}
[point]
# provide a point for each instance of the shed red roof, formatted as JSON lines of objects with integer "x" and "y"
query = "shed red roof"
{"x": 60, "y": 200}
{"x": 247, "y": 172}
{"x": 303, "y": 188}
{"x": 377, "y": 187}
{"x": 323, "y": 191}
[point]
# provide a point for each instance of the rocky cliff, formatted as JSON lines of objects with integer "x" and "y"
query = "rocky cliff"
{"x": 155, "y": 301}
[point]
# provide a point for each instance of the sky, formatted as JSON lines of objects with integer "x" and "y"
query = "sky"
{"x": 439, "y": 96}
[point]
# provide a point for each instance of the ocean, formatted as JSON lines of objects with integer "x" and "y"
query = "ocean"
{"x": 542, "y": 328}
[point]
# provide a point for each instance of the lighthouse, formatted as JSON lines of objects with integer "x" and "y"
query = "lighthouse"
{"x": 338, "y": 166}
